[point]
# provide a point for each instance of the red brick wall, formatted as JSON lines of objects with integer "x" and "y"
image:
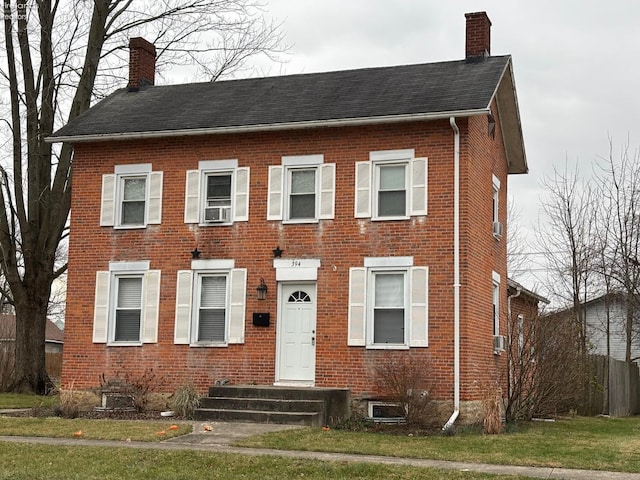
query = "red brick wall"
{"x": 342, "y": 242}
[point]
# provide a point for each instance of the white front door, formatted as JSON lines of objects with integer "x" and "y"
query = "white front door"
{"x": 297, "y": 334}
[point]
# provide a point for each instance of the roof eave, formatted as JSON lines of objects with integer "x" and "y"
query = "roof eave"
{"x": 341, "y": 122}
{"x": 509, "y": 113}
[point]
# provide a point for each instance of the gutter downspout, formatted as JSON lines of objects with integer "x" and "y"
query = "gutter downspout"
{"x": 456, "y": 274}
{"x": 509, "y": 332}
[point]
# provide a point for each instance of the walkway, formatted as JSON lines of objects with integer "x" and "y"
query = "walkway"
{"x": 221, "y": 436}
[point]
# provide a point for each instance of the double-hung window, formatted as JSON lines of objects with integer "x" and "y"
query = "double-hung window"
{"x": 496, "y": 304}
{"x": 497, "y": 226}
{"x": 126, "y": 304}
{"x": 210, "y": 304}
{"x": 388, "y": 305}
{"x": 301, "y": 189}
{"x": 392, "y": 185}
{"x": 217, "y": 193}
{"x": 131, "y": 197}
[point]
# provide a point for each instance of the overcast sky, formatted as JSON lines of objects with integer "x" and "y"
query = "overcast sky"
{"x": 576, "y": 66}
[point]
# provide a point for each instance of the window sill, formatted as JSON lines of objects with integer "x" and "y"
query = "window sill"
{"x": 209, "y": 345}
{"x": 388, "y": 219}
{"x": 215, "y": 224}
{"x": 129, "y": 227}
{"x": 301, "y": 221}
{"x": 124, "y": 344}
{"x": 387, "y": 347}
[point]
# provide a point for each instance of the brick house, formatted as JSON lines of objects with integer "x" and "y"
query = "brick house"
{"x": 296, "y": 230}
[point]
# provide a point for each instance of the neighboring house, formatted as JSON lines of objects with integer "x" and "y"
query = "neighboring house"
{"x": 54, "y": 337}
{"x": 296, "y": 230}
{"x": 523, "y": 311}
{"x": 606, "y": 327}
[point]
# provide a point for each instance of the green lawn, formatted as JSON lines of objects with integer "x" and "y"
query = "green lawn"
{"x": 587, "y": 443}
{"x": 18, "y": 400}
{"x": 34, "y": 462}
{"x": 134, "y": 430}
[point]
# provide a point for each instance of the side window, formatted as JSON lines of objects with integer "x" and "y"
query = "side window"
{"x": 392, "y": 185}
{"x": 210, "y": 304}
{"x": 217, "y": 193}
{"x": 131, "y": 197}
{"x": 127, "y": 299}
{"x": 496, "y": 304}
{"x": 301, "y": 189}
{"x": 497, "y": 226}
{"x": 388, "y": 304}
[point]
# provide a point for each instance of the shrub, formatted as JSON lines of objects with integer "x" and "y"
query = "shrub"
{"x": 69, "y": 402}
{"x": 406, "y": 382}
{"x": 185, "y": 400}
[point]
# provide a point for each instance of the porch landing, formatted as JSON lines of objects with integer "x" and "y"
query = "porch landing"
{"x": 275, "y": 404}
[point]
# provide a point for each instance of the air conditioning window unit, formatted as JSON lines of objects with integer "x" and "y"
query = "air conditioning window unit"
{"x": 497, "y": 229}
{"x": 499, "y": 343}
{"x": 217, "y": 214}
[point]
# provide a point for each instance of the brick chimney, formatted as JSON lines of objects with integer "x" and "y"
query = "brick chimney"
{"x": 142, "y": 63}
{"x": 478, "y": 40}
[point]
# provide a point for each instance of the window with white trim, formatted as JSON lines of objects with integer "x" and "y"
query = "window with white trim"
{"x": 301, "y": 189}
{"x": 131, "y": 197}
{"x": 210, "y": 304}
{"x": 496, "y": 304}
{"x": 392, "y": 185}
{"x": 217, "y": 193}
{"x": 127, "y": 299}
{"x": 497, "y": 226}
{"x": 388, "y": 305}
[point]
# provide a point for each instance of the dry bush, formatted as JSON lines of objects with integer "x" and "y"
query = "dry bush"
{"x": 492, "y": 410}
{"x": 404, "y": 381}
{"x": 138, "y": 388}
{"x": 185, "y": 400}
{"x": 69, "y": 402}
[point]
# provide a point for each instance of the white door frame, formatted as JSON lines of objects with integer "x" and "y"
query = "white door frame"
{"x": 280, "y": 336}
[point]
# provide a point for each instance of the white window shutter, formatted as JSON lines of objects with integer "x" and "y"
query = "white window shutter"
{"x": 101, "y": 307}
{"x": 151, "y": 306}
{"x": 237, "y": 305}
{"x": 274, "y": 197}
{"x": 154, "y": 213}
{"x": 192, "y": 197}
{"x": 108, "y": 201}
{"x": 363, "y": 190}
{"x": 184, "y": 297}
{"x": 241, "y": 204}
{"x": 357, "y": 306}
{"x": 418, "y": 329}
{"x": 327, "y": 190}
{"x": 418, "y": 186}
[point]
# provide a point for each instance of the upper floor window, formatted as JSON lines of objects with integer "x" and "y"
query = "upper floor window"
{"x": 217, "y": 193}
{"x": 392, "y": 185}
{"x": 126, "y": 304}
{"x": 388, "y": 303}
{"x": 496, "y": 304}
{"x": 131, "y": 197}
{"x": 210, "y": 304}
{"x": 301, "y": 189}
{"x": 497, "y": 226}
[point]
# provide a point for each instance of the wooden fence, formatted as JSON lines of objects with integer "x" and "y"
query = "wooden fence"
{"x": 53, "y": 363}
{"x": 615, "y": 389}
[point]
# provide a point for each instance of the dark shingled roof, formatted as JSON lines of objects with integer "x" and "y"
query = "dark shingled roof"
{"x": 352, "y": 94}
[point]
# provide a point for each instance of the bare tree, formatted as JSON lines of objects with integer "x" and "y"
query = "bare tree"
{"x": 567, "y": 240}
{"x": 618, "y": 183}
{"x": 59, "y": 56}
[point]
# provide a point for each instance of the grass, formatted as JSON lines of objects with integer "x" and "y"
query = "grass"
{"x": 586, "y": 443}
{"x": 29, "y": 462}
{"x": 134, "y": 430}
{"x": 19, "y": 400}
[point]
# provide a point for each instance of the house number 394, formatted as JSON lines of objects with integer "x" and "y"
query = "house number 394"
{"x": 296, "y": 263}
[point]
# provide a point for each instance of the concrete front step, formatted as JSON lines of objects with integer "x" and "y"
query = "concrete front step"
{"x": 275, "y": 404}
{"x": 256, "y": 416}
{"x": 262, "y": 404}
